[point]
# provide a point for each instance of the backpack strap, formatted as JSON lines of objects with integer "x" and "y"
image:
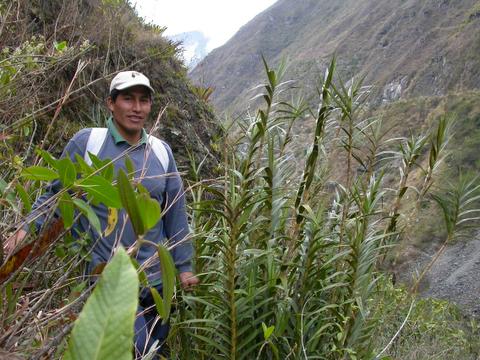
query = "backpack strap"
{"x": 160, "y": 151}
{"x": 95, "y": 142}
{"x": 97, "y": 138}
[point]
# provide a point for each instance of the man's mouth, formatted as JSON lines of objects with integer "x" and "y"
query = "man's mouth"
{"x": 135, "y": 118}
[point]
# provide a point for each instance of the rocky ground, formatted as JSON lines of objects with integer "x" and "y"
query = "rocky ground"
{"x": 455, "y": 276}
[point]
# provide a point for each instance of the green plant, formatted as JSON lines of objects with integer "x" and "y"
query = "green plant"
{"x": 289, "y": 266}
{"x": 104, "y": 329}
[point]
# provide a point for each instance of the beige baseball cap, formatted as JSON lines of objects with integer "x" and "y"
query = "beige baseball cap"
{"x": 126, "y": 79}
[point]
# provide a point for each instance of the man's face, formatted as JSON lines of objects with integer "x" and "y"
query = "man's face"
{"x": 130, "y": 110}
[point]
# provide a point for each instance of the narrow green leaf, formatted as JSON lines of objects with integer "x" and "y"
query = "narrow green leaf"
{"x": 104, "y": 329}
{"x": 159, "y": 304}
{"x": 274, "y": 349}
{"x": 168, "y": 278}
{"x": 97, "y": 162}
{"x": 39, "y": 173}
{"x": 129, "y": 202}
{"x": 66, "y": 171}
{"x": 82, "y": 166}
{"x": 89, "y": 213}
{"x": 130, "y": 167}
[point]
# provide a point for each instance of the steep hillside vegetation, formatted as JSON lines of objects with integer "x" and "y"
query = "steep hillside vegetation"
{"x": 58, "y": 58}
{"x": 404, "y": 48}
{"x": 421, "y": 59}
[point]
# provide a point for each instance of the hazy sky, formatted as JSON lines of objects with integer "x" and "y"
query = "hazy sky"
{"x": 219, "y": 20}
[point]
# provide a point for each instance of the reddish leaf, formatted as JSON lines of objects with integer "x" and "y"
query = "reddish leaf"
{"x": 31, "y": 250}
{"x": 4, "y": 136}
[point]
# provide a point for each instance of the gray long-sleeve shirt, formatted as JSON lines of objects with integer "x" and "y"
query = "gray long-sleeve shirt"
{"x": 164, "y": 185}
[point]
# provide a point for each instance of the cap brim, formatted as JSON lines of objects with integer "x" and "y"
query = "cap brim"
{"x": 126, "y": 86}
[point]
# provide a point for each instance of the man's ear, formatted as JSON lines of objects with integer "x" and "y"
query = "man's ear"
{"x": 110, "y": 103}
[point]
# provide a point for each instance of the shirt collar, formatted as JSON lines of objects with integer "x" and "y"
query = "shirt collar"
{"x": 118, "y": 138}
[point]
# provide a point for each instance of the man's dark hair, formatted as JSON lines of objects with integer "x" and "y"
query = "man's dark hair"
{"x": 115, "y": 92}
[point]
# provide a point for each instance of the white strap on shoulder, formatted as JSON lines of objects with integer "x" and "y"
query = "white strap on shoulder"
{"x": 160, "y": 151}
{"x": 95, "y": 143}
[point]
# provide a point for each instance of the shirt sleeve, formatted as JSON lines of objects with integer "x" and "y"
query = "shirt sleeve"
{"x": 175, "y": 219}
{"x": 42, "y": 207}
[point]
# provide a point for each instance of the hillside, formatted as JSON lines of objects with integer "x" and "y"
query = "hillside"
{"x": 404, "y": 48}
{"x": 58, "y": 59}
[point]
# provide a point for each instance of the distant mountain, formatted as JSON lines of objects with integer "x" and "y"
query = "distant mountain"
{"x": 194, "y": 44}
{"x": 405, "y": 48}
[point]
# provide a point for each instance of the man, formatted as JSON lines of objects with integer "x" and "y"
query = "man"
{"x": 130, "y": 102}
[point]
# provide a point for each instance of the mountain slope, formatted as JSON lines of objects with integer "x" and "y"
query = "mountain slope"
{"x": 403, "y": 47}
{"x": 45, "y": 42}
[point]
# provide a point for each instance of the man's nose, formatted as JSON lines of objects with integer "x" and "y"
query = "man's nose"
{"x": 136, "y": 105}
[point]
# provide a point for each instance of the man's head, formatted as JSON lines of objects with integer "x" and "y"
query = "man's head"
{"x": 126, "y": 79}
{"x": 130, "y": 102}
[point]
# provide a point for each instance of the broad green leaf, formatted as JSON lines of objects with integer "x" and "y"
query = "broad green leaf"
{"x": 168, "y": 278}
{"x": 66, "y": 209}
{"x": 267, "y": 331}
{"x": 101, "y": 191}
{"x": 48, "y": 158}
{"x": 39, "y": 173}
{"x": 66, "y": 171}
{"x": 60, "y": 252}
{"x": 149, "y": 209}
{"x": 109, "y": 172}
{"x": 60, "y": 46}
{"x": 129, "y": 202}
{"x": 97, "y": 162}
{"x": 89, "y": 213}
{"x": 104, "y": 329}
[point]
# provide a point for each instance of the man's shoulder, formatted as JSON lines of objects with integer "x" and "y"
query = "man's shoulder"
{"x": 162, "y": 151}
{"x": 82, "y": 135}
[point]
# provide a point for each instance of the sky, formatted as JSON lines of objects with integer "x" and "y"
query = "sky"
{"x": 218, "y": 20}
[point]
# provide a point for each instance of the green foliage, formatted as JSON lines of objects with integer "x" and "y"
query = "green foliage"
{"x": 50, "y": 86}
{"x": 288, "y": 260}
{"x": 144, "y": 212}
{"x": 104, "y": 329}
{"x": 432, "y": 329}
{"x": 164, "y": 304}
{"x": 290, "y": 265}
